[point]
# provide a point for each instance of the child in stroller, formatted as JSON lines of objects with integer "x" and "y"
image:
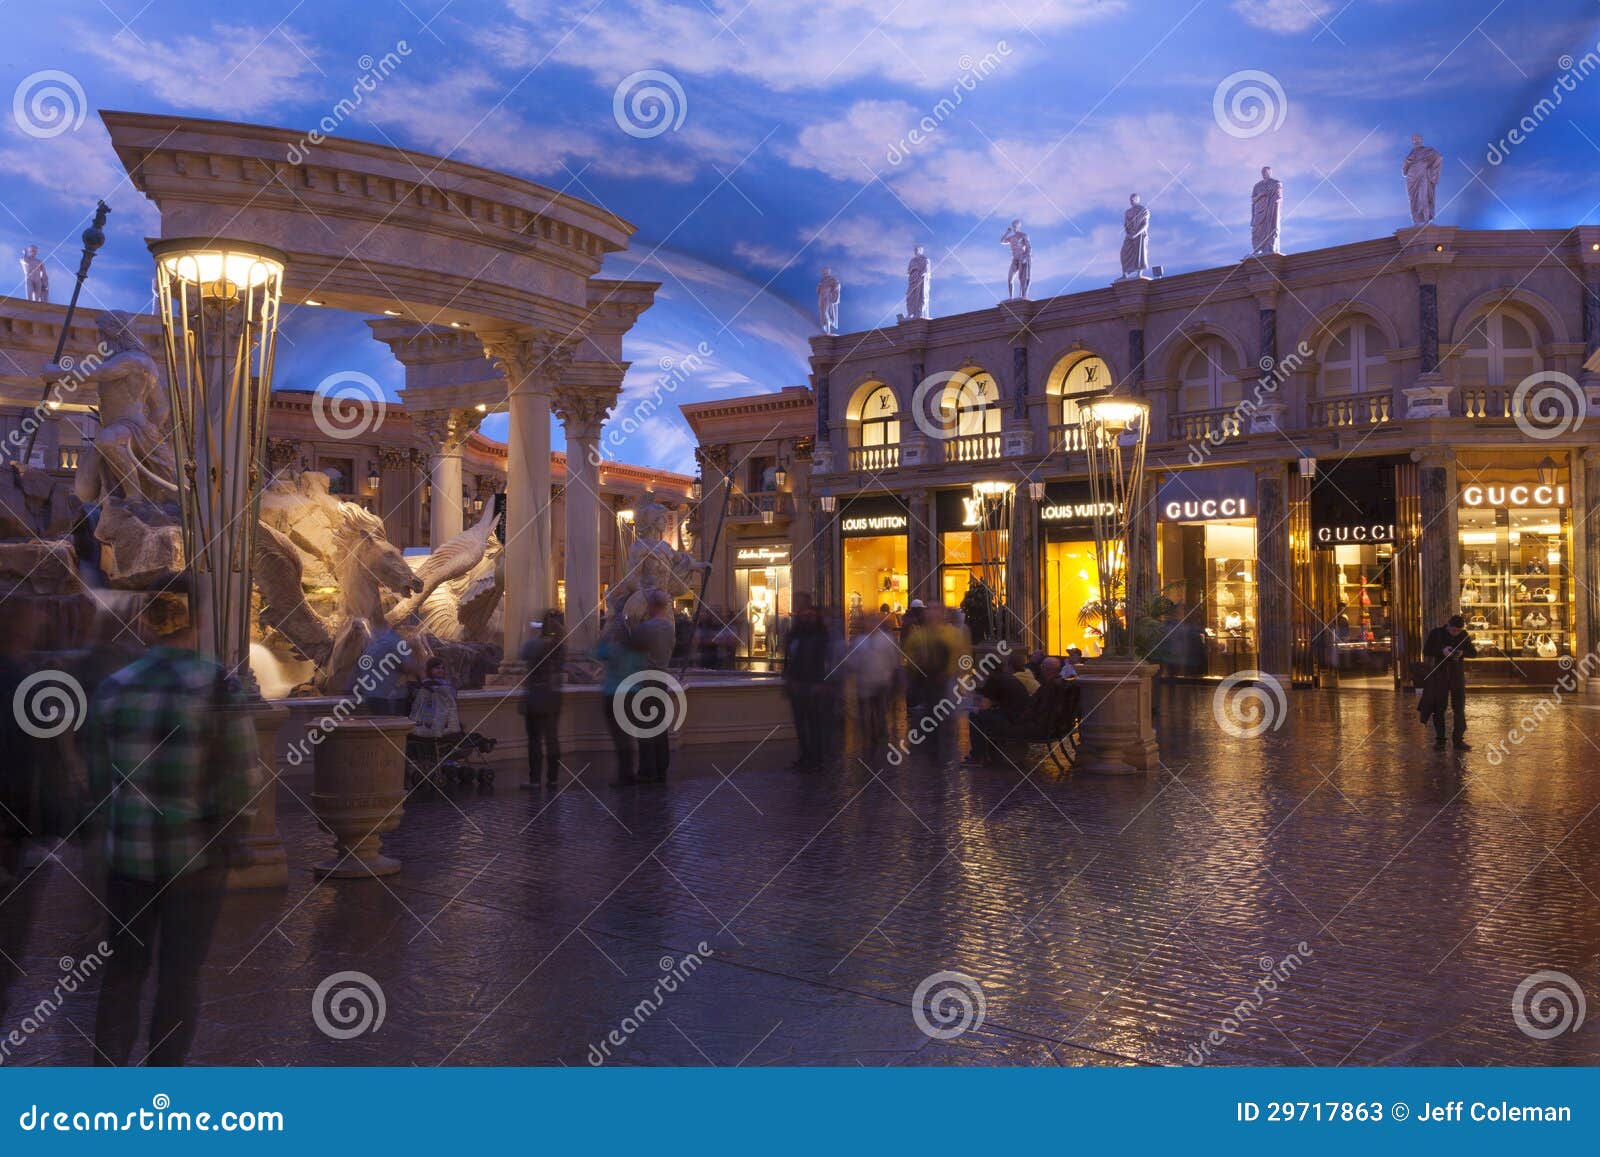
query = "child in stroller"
{"x": 437, "y": 750}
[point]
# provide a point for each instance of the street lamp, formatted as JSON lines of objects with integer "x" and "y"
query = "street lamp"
{"x": 1547, "y": 471}
{"x": 219, "y": 303}
{"x": 1115, "y": 430}
{"x": 828, "y": 502}
{"x": 780, "y": 478}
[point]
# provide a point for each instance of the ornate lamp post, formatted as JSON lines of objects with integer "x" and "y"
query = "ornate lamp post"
{"x": 219, "y": 319}
{"x": 991, "y": 526}
{"x": 1118, "y": 730}
{"x": 219, "y": 302}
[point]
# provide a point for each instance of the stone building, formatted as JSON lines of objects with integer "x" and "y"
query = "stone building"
{"x": 1346, "y": 446}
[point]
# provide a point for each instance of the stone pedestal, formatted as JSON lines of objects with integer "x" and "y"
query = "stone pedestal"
{"x": 1118, "y": 729}
{"x": 357, "y": 792}
{"x": 260, "y": 861}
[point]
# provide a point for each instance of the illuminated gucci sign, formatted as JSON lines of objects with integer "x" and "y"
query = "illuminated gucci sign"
{"x": 1201, "y": 509}
{"x": 1338, "y": 535}
{"x": 1497, "y": 495}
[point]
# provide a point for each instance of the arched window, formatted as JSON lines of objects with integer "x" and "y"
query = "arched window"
{"x": 1354, "y": 362}
{"x": 1087, "y": 376}
{"x": 1500, "y": 350}
{"x": 971, "y": 405}
{"x": 880, "y": 418}
{"x": 1210, "y": 377}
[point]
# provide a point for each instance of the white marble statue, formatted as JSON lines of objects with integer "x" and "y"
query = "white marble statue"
{"x": 35, "y": 275}
{"x": 1021, "y": 271}
{"x": 1421, "y": 171}
{"x": 652, "y": 564}
{"x": 1135, "y": 239}
{"x": 828, "y": 302}
{"x": 1266, "y": 213}
{"x": 919, "y": 284}
{"x": 131, "y": 456}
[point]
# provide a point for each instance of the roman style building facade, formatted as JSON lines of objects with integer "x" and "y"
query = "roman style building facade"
{"x": 1346, "y": 446}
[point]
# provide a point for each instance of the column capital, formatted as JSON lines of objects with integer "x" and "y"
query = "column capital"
{"x": 445, "y": 431}
{"x": 582, "y": 409}
{"x": 530, "y": 358}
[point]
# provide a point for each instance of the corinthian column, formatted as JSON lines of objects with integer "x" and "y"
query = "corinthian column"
{"x": 582, "y": 410}
{"x": 446, "y": 433}
{"x": 532, "y": 362}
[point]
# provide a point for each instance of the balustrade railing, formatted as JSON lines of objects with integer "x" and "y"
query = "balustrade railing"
{"x": 1198, "y": 425}
{"x": 874, "y": 458}
{"x": 972, "y": 447}
{"x": 1372, "y": 408}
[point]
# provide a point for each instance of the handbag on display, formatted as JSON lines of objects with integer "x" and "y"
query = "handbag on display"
{"x": 1549, "y": 595}
{"x": 1537, "y": 567}
{"x": 1469, "y": 592}
{"x": 1522, "y": 591}
{"x": 1233, "y": 621}
{"x": 1547, "y": 647}
{"x": 1478, "y": 623}
{"x": 1537, "y": 620}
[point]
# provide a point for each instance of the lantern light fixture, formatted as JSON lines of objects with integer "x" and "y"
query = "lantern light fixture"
{"x": 829, "y": 503}
{"x": 1547, "y": 471}
{"x": 1036, "y": 490}
{"x": 780, "y": 478}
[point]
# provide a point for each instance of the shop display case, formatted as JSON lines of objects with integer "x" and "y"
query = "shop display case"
{"x": 1516, "y": 586}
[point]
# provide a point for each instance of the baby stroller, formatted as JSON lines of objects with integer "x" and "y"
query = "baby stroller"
{"x": 438, "y": 760}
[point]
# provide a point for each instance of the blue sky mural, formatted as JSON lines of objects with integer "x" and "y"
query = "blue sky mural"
{"x": 754, "y": 143}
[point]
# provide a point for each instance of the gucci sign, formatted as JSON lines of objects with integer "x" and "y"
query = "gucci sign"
{"x": 1340, "y": 535}
{"x": 1198, "y": 510}
{"x": 1496, "y": 495}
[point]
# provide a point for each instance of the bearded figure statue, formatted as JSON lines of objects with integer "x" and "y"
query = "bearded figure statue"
{"x": 131, "y": 456}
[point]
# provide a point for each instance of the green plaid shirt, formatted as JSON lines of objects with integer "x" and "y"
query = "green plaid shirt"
{"x": 172, "y": 759}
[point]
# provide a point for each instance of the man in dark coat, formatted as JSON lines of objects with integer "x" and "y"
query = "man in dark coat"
{"x": 1444, "y": 684}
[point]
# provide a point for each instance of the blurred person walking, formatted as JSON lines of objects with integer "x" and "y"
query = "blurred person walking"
{"x": 805, "y": 670}
{"x": 620, "y": 658}
{"x": 875, "y": 664}
{"x": 174, "y": 766}
{"x": 545, "y": 656}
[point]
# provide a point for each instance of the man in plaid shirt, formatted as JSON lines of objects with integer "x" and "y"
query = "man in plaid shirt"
{"x": 174, "y": 768}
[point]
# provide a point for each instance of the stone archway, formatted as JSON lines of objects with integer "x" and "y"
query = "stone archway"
{"x": 431, "y": 243}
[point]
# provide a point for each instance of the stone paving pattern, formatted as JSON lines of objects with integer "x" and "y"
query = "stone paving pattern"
{"x": 1111, "y": 921}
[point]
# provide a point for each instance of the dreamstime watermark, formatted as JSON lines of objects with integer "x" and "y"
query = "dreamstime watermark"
{"x": 948, "y": 1004}
{"x": 1274, "y": 373}
{"x": 1248, "y": 103}
{"x": 49, "y": 703}
{"x": 1534, "y": 718}
{"x": 674, "y": 372}
{"x": 373, "y": 73}
{"x": 1548, "y": 1003}
{"x": 972, "y": 676}
{"x": 1248, "y": 704}
{"x": 1548, "y": 404}
{"x": 347, "y": 1005}
{"x": 648, "y": 103}
{"x": 75, "y": 371}
{"x": 372, "y": 674}
{"x": 160, "y": 1117}
{"x": 973, "y": 72}
{"x": 48, "y": 103}
{"x": 949, "y": 404}
{"x": 74, "y": 974}
{"x": 1573, "y": 73}
{"x": 1274, "y": 974}
{"x": 348, "y": 404}
{"x": 649, "y": 703}
{"x": 673, "y": 973}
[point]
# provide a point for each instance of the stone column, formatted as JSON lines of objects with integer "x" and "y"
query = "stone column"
{"x": 922, "y": 571}
{"x": 582, "y": 410}
{"x": 532, "y": 362}
{"x": 1136, "y": 358}
{"x": 1273, "y": 589}
{"x": 1441, "y": 545}
{"x": 1022, "y": 571}
{"x": 446, "y": 433}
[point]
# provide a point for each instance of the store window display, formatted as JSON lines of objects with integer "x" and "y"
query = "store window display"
{"x": 1206, "y": 558}
{"x": 1517, "y": 590}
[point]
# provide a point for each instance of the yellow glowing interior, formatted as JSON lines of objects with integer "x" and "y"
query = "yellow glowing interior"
{"x": 208, "y": 267}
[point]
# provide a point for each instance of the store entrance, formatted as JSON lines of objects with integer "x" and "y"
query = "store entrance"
{"x": 1208, "y": 570}
{"x": 1071, "y": 582}
{"x": 764, "y": 593}
{"x": 875, "y": 581}
{"x": 1356, "y": 605}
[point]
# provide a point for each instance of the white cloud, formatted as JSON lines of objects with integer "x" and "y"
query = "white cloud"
{"x": 762, "y": 256}
{"x": 231, "y": 70}
{"x": 79, "y": 160}
{"x": 784, "y": 44}
{"x": 857, "y": 145}
{"x": 1284, "y": 15}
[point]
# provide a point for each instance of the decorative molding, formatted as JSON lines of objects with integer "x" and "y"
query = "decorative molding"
{"x": 445, "y": 431}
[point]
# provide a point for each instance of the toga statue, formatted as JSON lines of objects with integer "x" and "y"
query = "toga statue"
{"x": 35, "y": 275}
{"x": 1135, "y": 238}
{"x": 1266, "y": 210}
{"x": 919, "y": 281}
{"x": 131, "y": 456}
{"x": 828, "y": 302}
{"x": 1021, "y": 271}
{"x": 1421, "y": 171}
{"x": 652, "y": 563}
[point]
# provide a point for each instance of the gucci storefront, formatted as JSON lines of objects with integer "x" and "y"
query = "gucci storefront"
{"x": 1354, "y": 582}
{"x": 1206, "y": 559}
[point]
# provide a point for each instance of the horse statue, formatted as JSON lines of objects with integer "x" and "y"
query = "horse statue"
{"x": 367, "y": 565}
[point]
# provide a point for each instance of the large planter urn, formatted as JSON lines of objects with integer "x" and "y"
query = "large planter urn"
{"x": 259, "y": 860}
{"x": 1118, "y": 735}
{"x": 358, "y": 787}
